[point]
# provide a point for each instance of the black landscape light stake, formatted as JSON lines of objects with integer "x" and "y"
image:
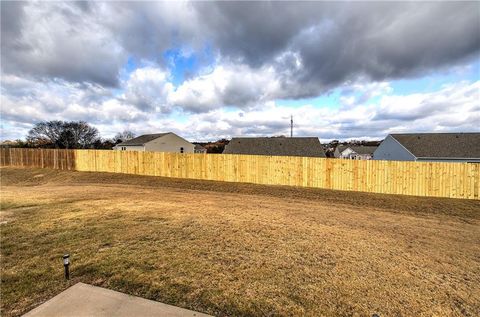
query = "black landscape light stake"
{"x": 66, "y": 263}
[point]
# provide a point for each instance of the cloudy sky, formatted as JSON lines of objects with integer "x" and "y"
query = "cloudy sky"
{"x": 207, "y": 70}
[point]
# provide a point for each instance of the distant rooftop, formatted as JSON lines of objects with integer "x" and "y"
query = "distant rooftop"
{"x": 363, "y": 149}
{"x": 141, "y": 140}
{"x": 279, "y": 146}
{"x": 441, "y": 145}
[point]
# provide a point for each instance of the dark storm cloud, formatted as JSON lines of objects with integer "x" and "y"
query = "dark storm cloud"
{"x": 58, "y": 40}
{"x": 148, "y": 29}
{"x": 344, "y": 41}
{"x": 313, "y": 46}
{"x": 256, "y": 31}
{"x": 392, "y": 42}
{"x": 11, "y": 24}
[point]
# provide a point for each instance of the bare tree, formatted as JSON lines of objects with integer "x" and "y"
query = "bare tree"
{"x": 80, "y": 134}
{"x": 46, "y": 133}
{"x": 61, "y": 134}
{"x": 124, "y": 136}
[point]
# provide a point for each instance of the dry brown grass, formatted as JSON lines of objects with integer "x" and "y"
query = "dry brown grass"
{"x": 238, "y": 249}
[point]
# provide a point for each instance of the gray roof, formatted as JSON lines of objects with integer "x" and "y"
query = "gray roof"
{"x": 363, "y": 149}
{"x": 441, "y": 145}
{"x": 341, "y": 148}
{"x": 280, "y": 146}
{"x": 141, "y": 140}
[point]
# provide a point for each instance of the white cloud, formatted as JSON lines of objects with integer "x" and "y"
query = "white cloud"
{"x": 29, "y": 101}
{"x": 461, "y": 99}
{"x": 201, "y": 103}
{"x": 452, "y": 108}
{"x": 227, "y": 85}
{"x": 148, "y": 89}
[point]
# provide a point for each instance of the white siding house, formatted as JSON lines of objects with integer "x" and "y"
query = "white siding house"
{"x": 430, "y": 147}
{"x": 354, "y": 152}
{"x": 160, "y": 142}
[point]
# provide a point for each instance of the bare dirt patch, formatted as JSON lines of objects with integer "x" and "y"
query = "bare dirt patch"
{"x": 238, "y": 249}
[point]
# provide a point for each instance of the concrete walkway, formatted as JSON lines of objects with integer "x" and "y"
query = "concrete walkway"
{"x": 87, "y": 300}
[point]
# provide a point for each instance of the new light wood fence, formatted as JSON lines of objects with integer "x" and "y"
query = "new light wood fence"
{"x": 455, "y": 180}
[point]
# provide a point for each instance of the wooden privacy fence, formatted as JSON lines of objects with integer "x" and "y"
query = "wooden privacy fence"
{"x": 455, "y": 180}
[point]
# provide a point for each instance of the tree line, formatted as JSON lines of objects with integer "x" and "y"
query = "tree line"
{"x": 59, "y": 134}
{"x": 80, "y": 135}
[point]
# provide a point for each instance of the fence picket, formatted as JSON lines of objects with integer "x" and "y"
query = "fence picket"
{"x": 436, "y": 179}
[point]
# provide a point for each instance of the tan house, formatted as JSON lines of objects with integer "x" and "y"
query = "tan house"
{"x": 159, "y": 142}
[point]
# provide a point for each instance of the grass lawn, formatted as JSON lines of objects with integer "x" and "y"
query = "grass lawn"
{"x": 237, "y": 249}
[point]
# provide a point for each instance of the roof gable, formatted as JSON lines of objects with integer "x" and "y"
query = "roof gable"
{"x": 141, "y": 140}
{"x": 278, "y": 146}
{"x": 441, "y": 145}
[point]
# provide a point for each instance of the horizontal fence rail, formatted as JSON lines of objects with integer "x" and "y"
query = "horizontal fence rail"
{"x": 435, "y": 179}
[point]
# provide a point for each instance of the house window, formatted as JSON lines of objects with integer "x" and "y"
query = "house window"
{"x": 181, "y": 150}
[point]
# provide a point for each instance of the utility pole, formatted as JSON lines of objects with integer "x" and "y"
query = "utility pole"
{"x": 291, "y": 126}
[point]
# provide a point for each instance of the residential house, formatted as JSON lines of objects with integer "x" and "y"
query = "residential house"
{"x": 279, "y": 146}
{"x": 159, "y": 142}
{"x": 354, "y": 152}
{"x": 199, "y": 149}
{"x": 432, "y": 147}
